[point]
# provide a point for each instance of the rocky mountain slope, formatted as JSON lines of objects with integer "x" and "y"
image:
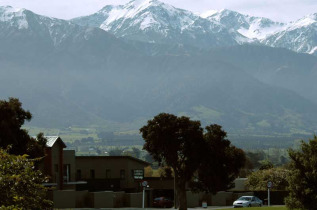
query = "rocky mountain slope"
{"x": 299, "y": 36}
{"x": 254, "y": 28}
{"x": 67, "y": 74}
{"x": 156, "y": 22}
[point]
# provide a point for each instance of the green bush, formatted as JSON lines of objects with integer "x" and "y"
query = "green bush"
{"x": 21, "y": 184}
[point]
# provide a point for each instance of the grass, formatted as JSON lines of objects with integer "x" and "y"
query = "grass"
{"x": 267, "y": 208}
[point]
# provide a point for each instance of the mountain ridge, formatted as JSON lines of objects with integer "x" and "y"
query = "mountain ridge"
{"x": 90, "y": 77}
{"x": 237, "y": 28}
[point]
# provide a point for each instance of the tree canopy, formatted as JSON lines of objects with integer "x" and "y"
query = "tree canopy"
{"x": 258, "y": 180}
{"x": 12, "y": 118}
{"x": 303, "y": 176}
{"x": 21, "y": 184}
{"x": 221, "y": 161}
{"x": 181, "y": 144}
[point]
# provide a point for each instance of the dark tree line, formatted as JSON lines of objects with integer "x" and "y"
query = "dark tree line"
{"x": 12, "y": 117}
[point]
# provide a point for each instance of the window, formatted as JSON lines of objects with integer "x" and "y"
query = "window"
{"x": 122, "y": 174}
{"x": 108, "y": 173}
{"x": 92, "y": 173}
{"x": 66, "y": 172}
{"x": 78, "y": 174}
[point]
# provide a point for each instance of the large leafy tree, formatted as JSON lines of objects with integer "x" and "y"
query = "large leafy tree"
{"x": 180, "y": 143}
{"x": 303, "y": 176}
{"x": 12, "y": 117}
{"x": 221, "y": 162}
{"x": 176, "y": 142}
{"x": 21, "y": 184}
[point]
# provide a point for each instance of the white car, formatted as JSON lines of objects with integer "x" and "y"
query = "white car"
{"x": 247, "y": 201}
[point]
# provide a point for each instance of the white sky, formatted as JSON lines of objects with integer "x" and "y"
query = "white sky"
{"x": 279, "y": 10}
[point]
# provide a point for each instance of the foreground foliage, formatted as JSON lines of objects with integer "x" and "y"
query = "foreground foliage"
{"x": 303, "y": 177}
{"x": 20, "y": 184}
{"x": 180, "y": 143}
{"x": 258, "y": 180}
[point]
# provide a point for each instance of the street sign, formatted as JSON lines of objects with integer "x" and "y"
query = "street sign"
{"x": 269, "y": 184}
{"x": 144, "y": 183}
{"x": 138, "y": 174}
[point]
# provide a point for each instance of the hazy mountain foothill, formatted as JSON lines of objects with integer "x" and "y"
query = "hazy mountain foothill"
{"x": 125, "y": 64}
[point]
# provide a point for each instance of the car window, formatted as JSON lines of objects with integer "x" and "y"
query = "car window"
{"x": 244, "y": 198}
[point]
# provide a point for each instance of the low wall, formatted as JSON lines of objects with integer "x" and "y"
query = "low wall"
{"x": 276, "y": 197}
{"x": 222, "y": 199}
{"x": 64, "y": 199}
{"x": 82, "y": 199}
{"x": 135, "y": 200}
{"x": 119, "y": 200}
{"x": 195, "y": 199}
{"x": 102, "y": 199}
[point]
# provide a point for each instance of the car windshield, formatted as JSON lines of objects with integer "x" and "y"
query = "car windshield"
{"x": 244, "y": 198}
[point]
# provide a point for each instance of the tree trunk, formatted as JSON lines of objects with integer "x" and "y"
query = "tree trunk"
{"x": 181, "y": 193}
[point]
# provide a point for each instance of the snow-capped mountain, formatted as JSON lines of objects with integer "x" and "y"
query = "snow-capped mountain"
{"x": 251, "y": 27}
{"x": 14, "y": 17}
{"x": 299, "y": 36}
{"x": 21, "y": 24}
{"x": 156, "y": 22}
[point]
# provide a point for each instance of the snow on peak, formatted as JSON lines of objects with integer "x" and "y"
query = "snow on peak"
{"x": 145, "y": 14}
{"x": 129, "y": 10}
{"x": 142, "y": 3}
{"x": 9, "y": 9}
{"x": 14, "y": 16}
{"x": 313, "y": 50}
{"x": 304, "y": 22}
{"x": 208, "y": 13}
{"x": 248, "y": 26}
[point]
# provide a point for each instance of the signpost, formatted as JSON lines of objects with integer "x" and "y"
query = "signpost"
{"x": 269, "y": 186}
{"x": 144, "y": 184}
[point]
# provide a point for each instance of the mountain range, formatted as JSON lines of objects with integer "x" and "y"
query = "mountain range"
{"x": 156, "y": 22}
{"x": 124, "y": 64}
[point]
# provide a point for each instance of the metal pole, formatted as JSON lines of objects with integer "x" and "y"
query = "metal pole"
{"x": 174, "y": 192}
{"x": 268, "y": 197}
{"x": 143, "y": 197}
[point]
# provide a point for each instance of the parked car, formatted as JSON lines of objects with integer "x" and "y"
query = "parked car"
{"x": 163, "y": 202}
{"x": 247, "y": 201}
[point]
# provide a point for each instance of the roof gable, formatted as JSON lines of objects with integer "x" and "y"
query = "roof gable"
{"x": 51, "y": 140}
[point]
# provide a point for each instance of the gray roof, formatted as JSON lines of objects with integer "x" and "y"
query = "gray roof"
{"x": 51, "y": 140}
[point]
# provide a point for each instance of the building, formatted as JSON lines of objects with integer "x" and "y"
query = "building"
{"x": 112, "y": 173}
{"x": 53, "y": 163}
{"x": 93, "y": 173}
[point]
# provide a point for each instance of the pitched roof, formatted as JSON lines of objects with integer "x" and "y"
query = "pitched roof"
{"x": 51, "y": 140}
